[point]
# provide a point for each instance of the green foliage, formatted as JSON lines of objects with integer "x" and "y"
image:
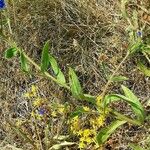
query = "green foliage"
{"x": 119, "y": 78}
{"x": 144, "y": 69}
{"x": 130, "y": 98}
{"x": 11, "y": 52}
{"x": 135, "y": 103}
{"x": 45, "y": 57}
{"x": 105, "y": 132}
{"x": 57, "y": 71}
{"x": 75, "y": 86}
{"x": 54, "y": 65}
{"x": 136, "y": 47}
{"x": 135, "y": 147}
{"x": 24, "y": 63}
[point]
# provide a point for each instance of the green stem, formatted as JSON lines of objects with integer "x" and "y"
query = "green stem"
{"x": 46, "y": 74}
{"x": 123, "y": 117}
{"x": 114, "y": 73}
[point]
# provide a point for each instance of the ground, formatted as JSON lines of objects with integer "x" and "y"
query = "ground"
{"x": 90, "y": 36}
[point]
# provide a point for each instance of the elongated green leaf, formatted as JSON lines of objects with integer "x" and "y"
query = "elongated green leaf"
{"x": 57, "y": 71}
{"x": 136, "y": 47}
{"x": 135, "y": 147}
{"x": 75, "y": 85}
{"x": 109, "y": 99}
{"x": 144, "y": 69}
{"x": 146, "y": 49}
{"x": 24, "y": 64}
{"x": 11, "y": 52}
{"x": 139, "y": 110}
{"x": 105, "y": 132}
{"x": 77, "y": 112}
{"x": 61, "y": 77}
{"x": 119, "y": 78}
{"x": 90, "y": 98}
{"x": 45, "y": 57}
{"x": 54, "y": 64}
{"x": 135, "y": 107}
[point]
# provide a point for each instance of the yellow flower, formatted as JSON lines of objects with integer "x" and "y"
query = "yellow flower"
{"x": 80, "y": 132}
{"x": 32, "y": 93}
{"x": 61, "y": 109}
{"x": 75, "y": 125}
{"x": 82, "y": 145}
{"x": 32, "y": 114}
{"x": 87, "y": 132}
{"x": 100, "y": 120}
{"x": 85, "y": 137}
{"x": 19, "y": 122}
{"x": 86, "y": 108}
{"x": 89, "y": 140}
{"x": 98, "y": 100}
{"x": 38, "y": 102}
{"x": 97, "y": 122}
{"x": 54, "y": 114}
{"x": 33, "y": 89}
{"x": 39, "y": 117}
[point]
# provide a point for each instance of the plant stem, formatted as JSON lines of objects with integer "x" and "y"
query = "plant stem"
{"x": 123, "y": 117}
{"x": 46, "y": 74}
{"x": 114, "y": 73}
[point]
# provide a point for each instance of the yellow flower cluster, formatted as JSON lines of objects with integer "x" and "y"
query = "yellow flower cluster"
{"x": 97, "y": 122}
{"x": 32, "y": 93}
{"x": 38, "y": 102}
{"x": 75, "y": 125}
{"x": 85, "y": 108}
{"x": 87, "y": 136}
{"x": 99, "y": 100}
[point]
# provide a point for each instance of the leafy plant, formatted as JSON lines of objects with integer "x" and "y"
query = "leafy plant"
{"x": 105, "y": 133}
{"x": 11, "y": 52}
{"x": 75, "y": 88}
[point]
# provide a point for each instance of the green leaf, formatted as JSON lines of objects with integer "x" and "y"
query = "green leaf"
{"x": 135, "y": 107}
{"x": 89, "y": 98}
{"x": 11, "y": 52}
{"x": 119, "y": 78}
{"x": 144, "y": 69}
{"x": 57, "y": 71}
{"x": 135, "y": 146}
{"x": 45, "y": 57}
{"x": 130, "y": 98}
{"x": 105, "y": 132}
{"x": 146, "y": 49}
{"x": 61, "y": 77}
{"x": 139, "y": 111}
{"x": 109, "y": 99}
{"x": 54, "y": 64}
{"x": 75, "y": 85}
{"x": 136, "y": 47}
{"x": 24, "y": 64}
{"x": 77, "y": 112}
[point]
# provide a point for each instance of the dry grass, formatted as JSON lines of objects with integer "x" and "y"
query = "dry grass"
{"x": 90, "y": 36}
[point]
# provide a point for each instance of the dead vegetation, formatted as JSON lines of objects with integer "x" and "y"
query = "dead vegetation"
{"x": 88, "y": 35}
